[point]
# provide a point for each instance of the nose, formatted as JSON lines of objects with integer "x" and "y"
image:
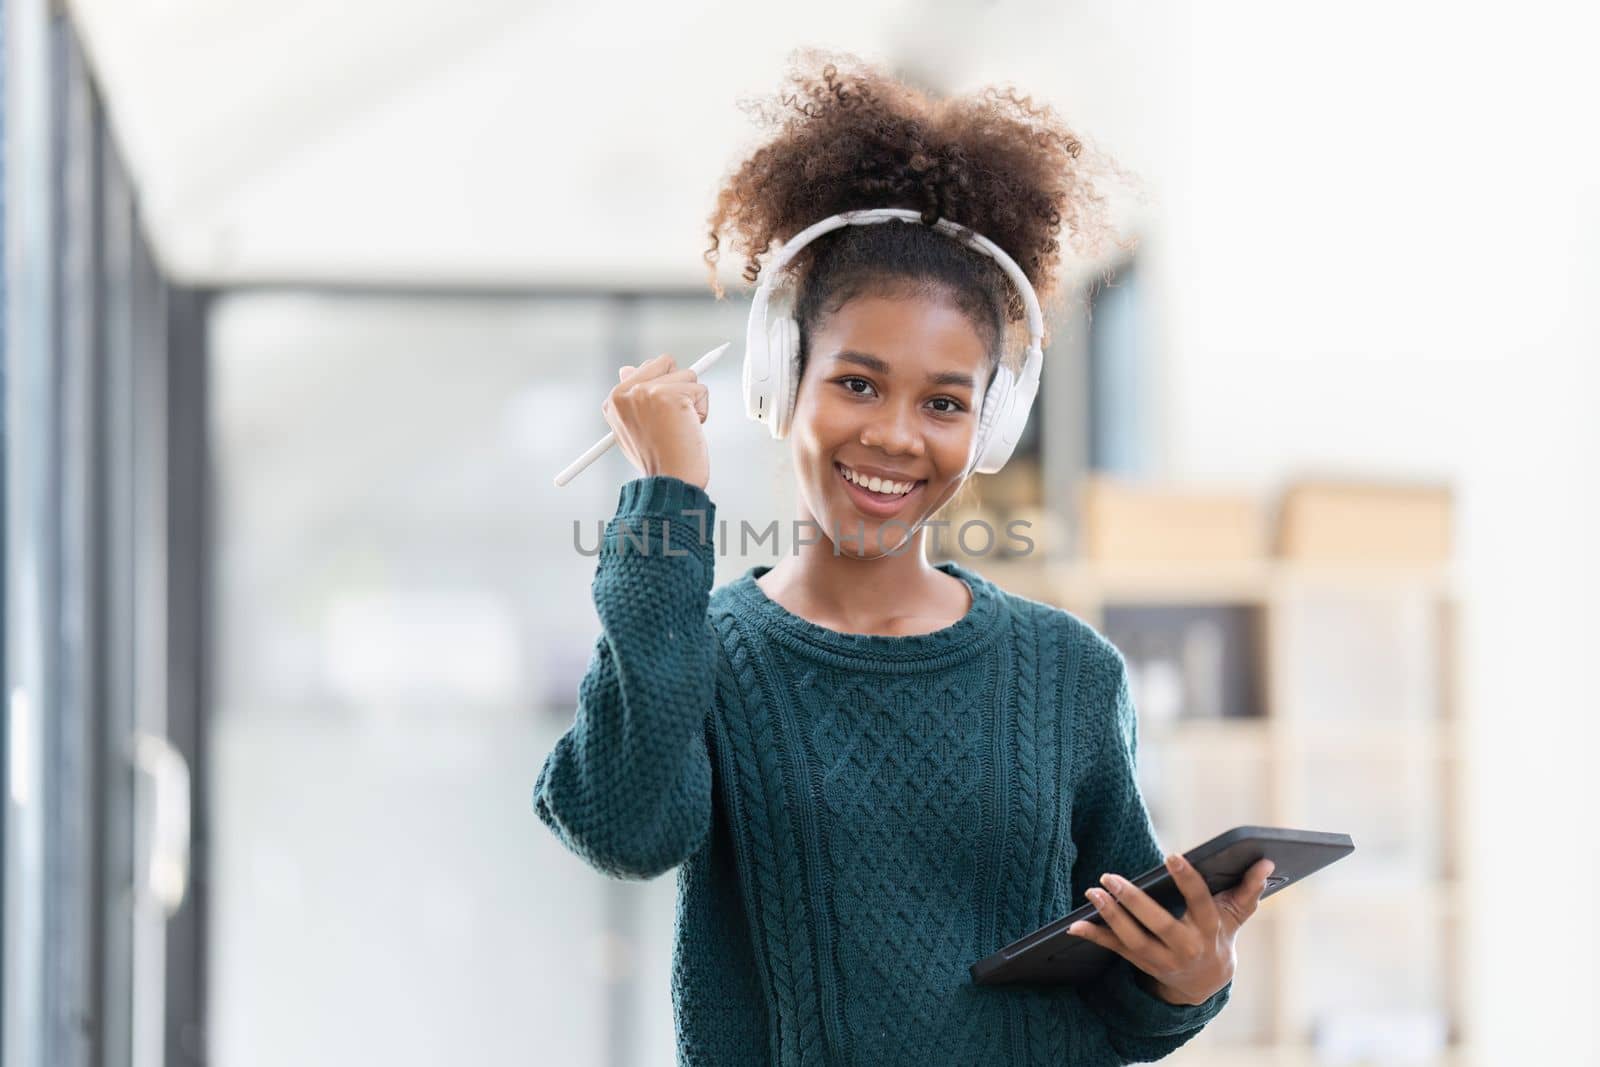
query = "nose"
{"x": 893, "y": 431}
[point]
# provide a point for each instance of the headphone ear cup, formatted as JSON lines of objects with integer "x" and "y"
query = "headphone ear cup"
{"x": 1011, "y": 414}
{"x": 994, "y": 443}
{"x": 783, "y": 348}
{"x": 756, "y": 379}
{"x": 752, "y": 403}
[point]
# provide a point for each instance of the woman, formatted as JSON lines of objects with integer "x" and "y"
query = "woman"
{"x": 871, "y": 770}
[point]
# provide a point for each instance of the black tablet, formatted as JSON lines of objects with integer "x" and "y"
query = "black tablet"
{"x": 1052, "y": 955}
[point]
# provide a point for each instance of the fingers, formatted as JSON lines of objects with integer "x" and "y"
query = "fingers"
{"x": 662, "y": 368}
{"x": 1143, "y": 949}
{"x": 658, "y": 375}
{"x": 1171, "y": 931}
{"x": 650, "y": 368}
{"x": 688, "y": 393}
{"x": 695, "y": 393}
{"x": 1202, "y": 909}
{"x": 1139, "y": 904}
{"x": 1101, "y": 936}
{"x": 1240, "y": 902}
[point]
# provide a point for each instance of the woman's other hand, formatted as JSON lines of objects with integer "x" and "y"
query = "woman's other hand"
{"x": 1188, "y": 959}
{"x": 656, "y": 410}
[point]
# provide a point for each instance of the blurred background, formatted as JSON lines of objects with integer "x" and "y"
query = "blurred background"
{"x": 306, "y": 303}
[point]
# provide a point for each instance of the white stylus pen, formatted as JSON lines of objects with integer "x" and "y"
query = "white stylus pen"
{"x": 598, "y": 449}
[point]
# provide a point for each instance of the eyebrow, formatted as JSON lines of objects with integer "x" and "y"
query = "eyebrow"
{"x": 873, "y": 363}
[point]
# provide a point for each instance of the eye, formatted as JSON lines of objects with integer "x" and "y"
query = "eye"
{"x": 845, "y": 381}
{"x": 956, "y": 405}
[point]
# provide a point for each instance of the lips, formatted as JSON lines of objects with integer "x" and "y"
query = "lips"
{"x": 876, "y": 505}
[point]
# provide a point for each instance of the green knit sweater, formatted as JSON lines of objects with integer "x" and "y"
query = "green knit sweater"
{"x": 855, "y": 819}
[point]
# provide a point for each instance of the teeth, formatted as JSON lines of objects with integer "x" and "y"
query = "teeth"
{"x": 878, "y": 485}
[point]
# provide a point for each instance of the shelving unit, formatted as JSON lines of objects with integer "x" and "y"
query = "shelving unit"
{"x": 1359, "y": 730}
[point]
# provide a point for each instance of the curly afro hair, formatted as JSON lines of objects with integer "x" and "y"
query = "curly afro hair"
{"x": 846, "y": 135}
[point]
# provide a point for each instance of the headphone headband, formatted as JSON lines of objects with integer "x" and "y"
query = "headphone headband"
{"x": 868, "y": 216}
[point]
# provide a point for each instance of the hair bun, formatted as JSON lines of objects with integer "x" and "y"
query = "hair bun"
{"x": 846, "y": 135}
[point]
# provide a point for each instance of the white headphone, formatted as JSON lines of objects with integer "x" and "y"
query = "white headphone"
{"x": 772, "y": 348}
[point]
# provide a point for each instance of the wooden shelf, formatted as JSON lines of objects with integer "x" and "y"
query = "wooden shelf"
{"x": 1434, "y": 737}
{"x": 1240, "y": 581}
{"x": 1445, "y": 899}
{"x": 1440, "y": 738}
{"x": 1211, "y": 738}
{"x": 1292, "y": 577}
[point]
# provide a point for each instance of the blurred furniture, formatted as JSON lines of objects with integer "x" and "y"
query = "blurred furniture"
{"x": 1342, "y": 520}
{"x": 1121, "y": 521}
{"x": 1350, "y": 720}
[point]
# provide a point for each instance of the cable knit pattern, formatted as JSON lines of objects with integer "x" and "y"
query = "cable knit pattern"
{"x": 855, "y": 818}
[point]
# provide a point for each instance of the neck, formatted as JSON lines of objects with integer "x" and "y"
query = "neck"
{"x": 861, "y": 595}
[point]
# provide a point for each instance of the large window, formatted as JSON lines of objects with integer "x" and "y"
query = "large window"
{"x": 403, "y": 620}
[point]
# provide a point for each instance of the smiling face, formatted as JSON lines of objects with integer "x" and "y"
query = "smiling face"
{"x": 891, "y": 389}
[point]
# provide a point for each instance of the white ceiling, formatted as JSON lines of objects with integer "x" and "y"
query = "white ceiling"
{"x": 503, "y": 142}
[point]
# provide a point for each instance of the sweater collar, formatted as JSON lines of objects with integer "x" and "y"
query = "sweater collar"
{"x": 960, "y": 640}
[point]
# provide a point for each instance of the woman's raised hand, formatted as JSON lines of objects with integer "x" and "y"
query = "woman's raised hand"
{"x": 656, "y": 410}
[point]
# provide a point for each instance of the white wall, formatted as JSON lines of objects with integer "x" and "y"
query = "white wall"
{"x": 1382, "y": 249}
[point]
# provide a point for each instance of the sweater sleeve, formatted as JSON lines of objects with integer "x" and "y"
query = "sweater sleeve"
{"x": 1113, "y": 832}
{"x": 628, "y": 787}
